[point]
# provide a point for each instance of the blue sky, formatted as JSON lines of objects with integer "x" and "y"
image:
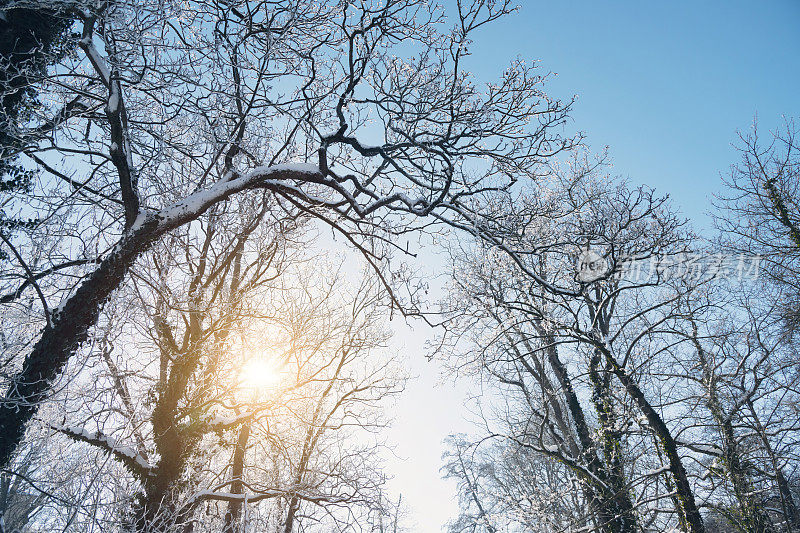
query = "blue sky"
{"x": 665, "y": 85}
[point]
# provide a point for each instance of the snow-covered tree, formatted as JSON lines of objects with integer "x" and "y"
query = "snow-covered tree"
{"x": 236, "y": 388}
{"x": 573, "y": 348}
{"x": 359, "y": 114}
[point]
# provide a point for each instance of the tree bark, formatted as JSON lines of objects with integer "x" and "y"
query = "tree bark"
{"x": 234, "y": 513}
{"x": 68, "y": 329}
{"x": 619, "y": 515}
{"x": 688, "y": 510}
{"x": 69, "y": 325}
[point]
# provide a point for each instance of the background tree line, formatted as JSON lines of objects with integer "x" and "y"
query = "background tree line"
{"x": 641, "y": 399}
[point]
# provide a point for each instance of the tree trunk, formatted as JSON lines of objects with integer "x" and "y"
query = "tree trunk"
{"x": 293, "y": 505}
{"x": 618, "y": 514}
{"x": 688, "y": 510}
{"x": 67, "y": 330}
{"x": 754, "y": 518}
{"x": 791, "y": 514}
{"x": 234, "y": 513}
{"x": 615, "y": 511}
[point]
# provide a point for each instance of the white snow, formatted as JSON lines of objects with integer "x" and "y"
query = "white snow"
{"x": 709, "y": 449}
{"x": 110, "y": 442}
{"x": 657, "y": 471}
{"x": 113, "y": 103}
{"x": 200, "y": 200}
{"x": 96, "y": 60}
{"x": 306, "y": 168}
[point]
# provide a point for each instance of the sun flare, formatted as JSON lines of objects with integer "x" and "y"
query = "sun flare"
{"x": 259, "y": 375}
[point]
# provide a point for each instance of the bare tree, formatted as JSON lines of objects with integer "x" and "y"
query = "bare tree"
{"x": 30, "y": 39}
{"x": 198, "y": 286}
{"x": 173, "y": 108}
{"x": 503, "y": 487}
{"x": 759, "y": 214}
{"x": 20, "y": 496}
{"x": 239, "y": 300}
{"x": 738, "y": 362}
{"x": 534, "y": 309}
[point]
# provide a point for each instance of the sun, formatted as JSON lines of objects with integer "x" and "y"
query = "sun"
{"x": 259, "y": 375}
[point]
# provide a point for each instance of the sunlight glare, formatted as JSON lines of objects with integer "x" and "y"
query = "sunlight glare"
{"x": 259, "y": 375}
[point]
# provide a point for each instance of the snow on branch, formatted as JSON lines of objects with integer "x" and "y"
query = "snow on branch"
{"x": 129, "y": 457}
{"x": 195, "y": 204}
{"x": 97, "y": 61}
{"x": 219, "y": 422}
{"x": 258, "y": 494}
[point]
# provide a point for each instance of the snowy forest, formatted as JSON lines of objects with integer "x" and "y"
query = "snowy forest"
{"x": 212, "y": 217}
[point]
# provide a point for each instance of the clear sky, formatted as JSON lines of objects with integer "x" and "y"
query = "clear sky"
{"x": 665, "y": 85}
